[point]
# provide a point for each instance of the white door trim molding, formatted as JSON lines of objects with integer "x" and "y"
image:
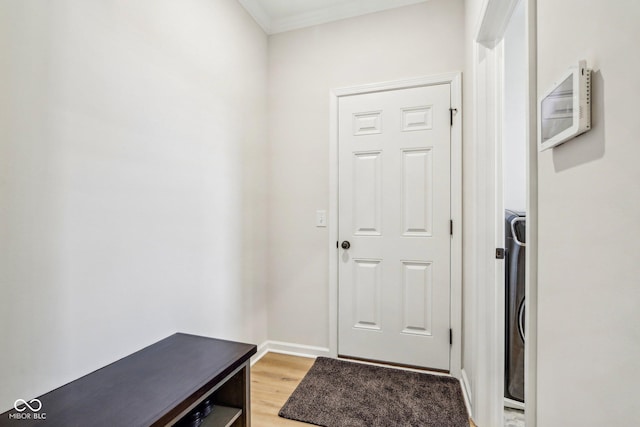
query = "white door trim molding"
{"x": 455, "y": 80}
{"x": 489, "y": 329}
{"x": 531, "y": 261}
{"x": 495, "y": 18}
{"x": 488, "y": 369}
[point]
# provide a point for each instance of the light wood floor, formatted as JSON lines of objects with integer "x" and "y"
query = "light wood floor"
{"x": 273, "y": 379}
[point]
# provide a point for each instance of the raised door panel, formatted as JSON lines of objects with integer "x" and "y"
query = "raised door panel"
{"x": 369, "y": 123}
{"x": 367, "y": 193}
{"x": 417, "y": 118}
{"x": 417, "y": 285}
{"x": 417, "y": 192}
{"x": 367, "y": 303}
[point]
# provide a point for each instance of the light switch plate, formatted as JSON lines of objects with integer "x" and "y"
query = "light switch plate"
{"x": 321, "y": 218}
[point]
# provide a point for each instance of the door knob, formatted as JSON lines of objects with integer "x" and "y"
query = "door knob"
{"x": 346, "y": 245}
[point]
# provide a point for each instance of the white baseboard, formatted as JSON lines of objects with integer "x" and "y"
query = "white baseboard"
{"x": 262, "y": 350}
{"x": 466, "y": 392}
{"x": 297, "y": 349}
{"x": 292, "y": 349}
{"x": 513, "y": 404}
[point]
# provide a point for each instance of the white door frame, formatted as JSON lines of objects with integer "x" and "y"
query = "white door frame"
{"x": 455, "y": 80}
{"x": 488, "y": 63}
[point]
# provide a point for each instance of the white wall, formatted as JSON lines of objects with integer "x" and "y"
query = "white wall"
{"x": 514, "y": 134}
{"x": 132, "y": 181}
{"x": 304, "y": 66}
{"x": 589, "y": 206}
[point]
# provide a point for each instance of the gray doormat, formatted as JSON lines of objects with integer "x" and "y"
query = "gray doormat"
{"x": 336, "y": 393}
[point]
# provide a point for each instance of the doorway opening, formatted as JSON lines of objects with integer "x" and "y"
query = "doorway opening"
{"x": 493, "y": 109}
{"x": 513, "y": 183}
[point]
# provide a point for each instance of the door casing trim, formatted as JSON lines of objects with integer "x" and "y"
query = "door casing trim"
{"x": 489, "y": 325}
{"x": 455, "y": 80}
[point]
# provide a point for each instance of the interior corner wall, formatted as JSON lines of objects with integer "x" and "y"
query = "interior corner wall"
{"x": 304, "y": 65}
{"x": 589, "y": 205}
{"x": 133, "y": 182}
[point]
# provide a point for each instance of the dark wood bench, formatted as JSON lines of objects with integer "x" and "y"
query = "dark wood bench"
{"x": 162, "y": 384}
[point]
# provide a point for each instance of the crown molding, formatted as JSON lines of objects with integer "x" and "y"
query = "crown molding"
{"x": 347, "y": 9}
{"x": 255, "y": 9}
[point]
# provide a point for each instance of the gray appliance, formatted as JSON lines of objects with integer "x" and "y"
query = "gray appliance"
{"x": 515, "y": 226}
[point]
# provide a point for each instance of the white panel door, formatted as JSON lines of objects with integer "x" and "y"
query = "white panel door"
{"x": 394, "y": 210}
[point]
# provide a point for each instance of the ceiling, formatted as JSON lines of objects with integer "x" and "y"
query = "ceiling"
{"x": 277, "y": 16}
